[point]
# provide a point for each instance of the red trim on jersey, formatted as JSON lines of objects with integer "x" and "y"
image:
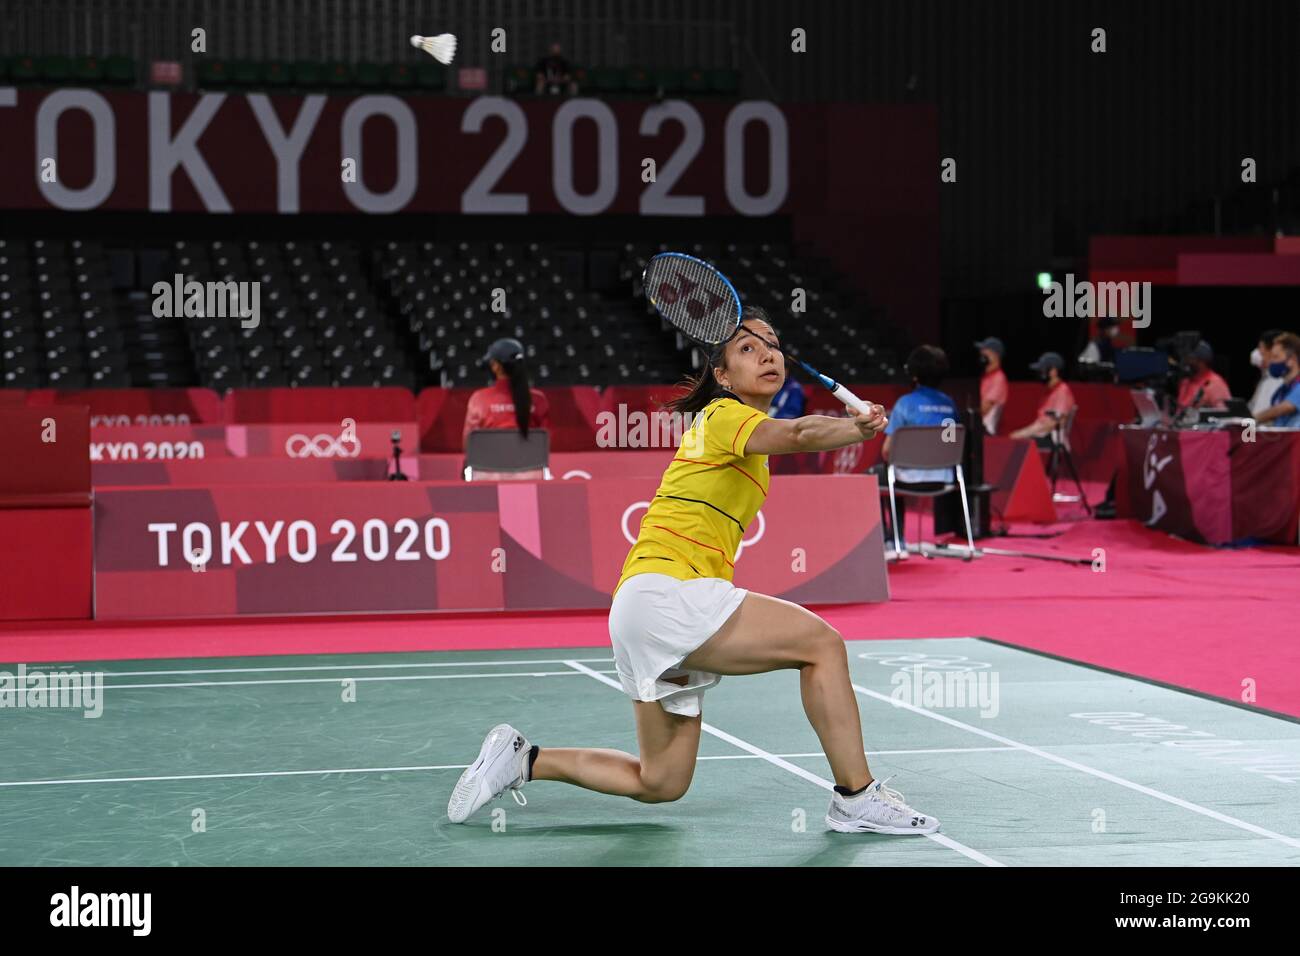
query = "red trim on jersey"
{"x": 721, "y": 464}
{"x": 693, "y": 541}
{"x": 739, "y": 430}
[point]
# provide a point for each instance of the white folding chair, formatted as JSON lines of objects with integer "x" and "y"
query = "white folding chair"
{"x": 931, "y": 448}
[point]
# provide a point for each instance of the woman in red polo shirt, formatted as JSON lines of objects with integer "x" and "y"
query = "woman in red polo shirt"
{"x": 509, "y": 402}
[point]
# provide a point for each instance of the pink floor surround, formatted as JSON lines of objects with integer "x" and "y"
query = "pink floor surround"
{"x": 1196, "y": 617}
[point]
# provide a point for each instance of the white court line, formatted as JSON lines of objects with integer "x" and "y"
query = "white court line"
{"x": 939, "y": 838}
{"x": 225, "y": 776}
{"x": 1074, "y": 765}
{"x": 335, "y": 680}
{"x": 448, "y": 766}
{"x": 313, "y": 667}
{"x": 869, "y": 753}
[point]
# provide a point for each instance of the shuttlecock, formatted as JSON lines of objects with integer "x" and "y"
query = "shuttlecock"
{"x": 442, "y": 47}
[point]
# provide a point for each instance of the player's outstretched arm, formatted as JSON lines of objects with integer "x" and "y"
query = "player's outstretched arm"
{"x": 779, "y": 436}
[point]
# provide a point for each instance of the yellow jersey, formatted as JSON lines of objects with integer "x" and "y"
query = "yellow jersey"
{"x": 709, "y": 494}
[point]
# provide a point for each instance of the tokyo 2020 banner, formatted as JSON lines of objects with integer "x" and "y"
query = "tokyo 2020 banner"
{"x": 391, "y": 546}
{"x": 83, "y": 149}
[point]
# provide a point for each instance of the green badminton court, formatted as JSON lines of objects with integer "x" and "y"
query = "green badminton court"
{"x": 349, "y": 760}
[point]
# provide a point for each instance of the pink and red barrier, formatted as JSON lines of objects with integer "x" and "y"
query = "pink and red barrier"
{"x": 565, "y": 465}
{"x": 331, "y": 548}
{"x": 255, "y": 423}
{"x": 124, "y": 407}
{"x": 1213, "y": 487}
{"x": 45, "y": 515}
{"x": 236, "y": 471}
{"x": 157, "y": 442}
{"x": 321, "y": 440}
{"x": 324, "y": 404}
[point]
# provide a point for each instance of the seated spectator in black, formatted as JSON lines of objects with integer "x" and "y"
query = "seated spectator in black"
{"x": 1102, "y": 348}
{"x": 1267, "y": 383}
{"x": 553, "y": 75}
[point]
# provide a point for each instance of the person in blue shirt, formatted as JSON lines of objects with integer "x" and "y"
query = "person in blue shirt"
{"x": 923, "y": 405}
{"x": 789, "y": 402}
{"x": 1284, "y": 408}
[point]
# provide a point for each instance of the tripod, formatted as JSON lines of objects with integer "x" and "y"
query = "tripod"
{"x": 397, "y": 459}
{"x": 1060, "y": 455}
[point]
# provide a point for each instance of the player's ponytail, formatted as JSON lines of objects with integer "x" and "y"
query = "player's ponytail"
{"x": 520, "y": 392}
{"x": 699, "y": 389}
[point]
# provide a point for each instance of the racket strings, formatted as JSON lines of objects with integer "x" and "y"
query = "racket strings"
{"x": 693, "y": 297}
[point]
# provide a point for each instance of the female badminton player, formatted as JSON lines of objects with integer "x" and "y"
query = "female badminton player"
{"x": 678, "y": 624}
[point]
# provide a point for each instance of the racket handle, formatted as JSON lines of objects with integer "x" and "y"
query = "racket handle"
{"x": 839, "y": 391}
{"x": 850, "y": 400}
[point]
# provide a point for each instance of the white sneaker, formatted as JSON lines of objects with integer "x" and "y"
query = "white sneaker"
{"x": 878, "y": 809}
{"x": 502, "y": 764}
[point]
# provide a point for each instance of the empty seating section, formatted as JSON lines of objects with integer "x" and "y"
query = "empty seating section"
{"x": 846, "y": 339}
{"x": 448, "y": 295}
{"x": 58, "y": 324}
{"x": 319, "y": 321}
{"x": 82, "y": 313}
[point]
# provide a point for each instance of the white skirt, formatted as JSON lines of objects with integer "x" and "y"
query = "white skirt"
{"x": 655, "y": 622}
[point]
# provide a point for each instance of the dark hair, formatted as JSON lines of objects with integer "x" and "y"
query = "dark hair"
{"x": 520, "y": 392}
{"x": 927, "y": 364}
{"x": 1269, "y": 336}
{"x": 703, "y": 388}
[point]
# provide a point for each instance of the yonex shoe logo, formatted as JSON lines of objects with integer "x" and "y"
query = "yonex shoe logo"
{"x": 519, "y": 742}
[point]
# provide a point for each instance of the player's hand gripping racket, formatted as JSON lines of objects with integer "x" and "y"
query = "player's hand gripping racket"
{"x": 703, "y": 304}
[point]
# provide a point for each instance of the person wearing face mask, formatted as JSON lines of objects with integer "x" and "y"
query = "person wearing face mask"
{"x": 1057, "y": 403}
{"x": 1284, "y": 407}
{"x": 1202, "y": 386}
{"x": 1267, "y": 383}
{"x": 993, "y": 383}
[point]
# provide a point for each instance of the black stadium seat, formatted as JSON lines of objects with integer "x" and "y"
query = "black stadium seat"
{"x": 335, "y": 311}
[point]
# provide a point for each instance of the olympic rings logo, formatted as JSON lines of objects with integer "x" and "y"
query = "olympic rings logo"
{"x": 744, "y": 542}
{"x": 322, "y": 446}
{"x": 847, "y": 459}
{"x": 931, "y": 662}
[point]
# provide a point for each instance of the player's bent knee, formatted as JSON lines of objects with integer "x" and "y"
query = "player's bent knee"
{"x": 656, "y": 789}
{"x": 664, "y": 793}
{"x": 825, "y": 644}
